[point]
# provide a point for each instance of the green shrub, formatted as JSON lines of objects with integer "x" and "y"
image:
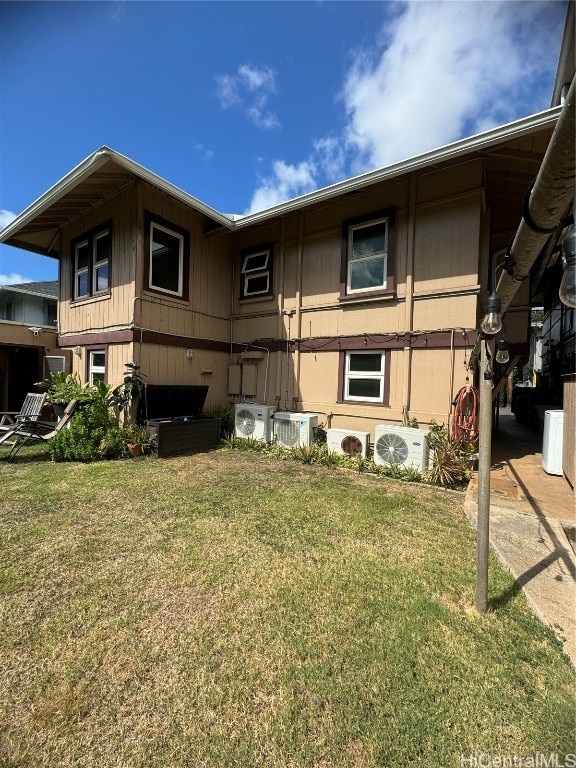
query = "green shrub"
{"x": 63, "y": 387}
{"x": 92, "y": 434}
{"x": 224, "y": 412}
{"x": 449, "y": 459}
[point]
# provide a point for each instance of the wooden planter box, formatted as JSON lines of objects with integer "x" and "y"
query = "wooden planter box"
{"x": 178, "y": 438}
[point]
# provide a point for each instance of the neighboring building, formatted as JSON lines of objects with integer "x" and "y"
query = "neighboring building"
{"x": 28, "y": 331}
{"x": 359, "y": 302}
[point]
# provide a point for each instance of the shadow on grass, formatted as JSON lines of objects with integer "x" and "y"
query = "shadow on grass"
{"x": 24, "y": 456}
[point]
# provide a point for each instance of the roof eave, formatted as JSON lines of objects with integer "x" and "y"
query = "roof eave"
{"x": 479, "y": 141}
{"x": 85, "y": 169}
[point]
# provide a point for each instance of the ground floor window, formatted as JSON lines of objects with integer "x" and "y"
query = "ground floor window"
{"x": 96, "y": 365}
{"x": 364, "y": 374}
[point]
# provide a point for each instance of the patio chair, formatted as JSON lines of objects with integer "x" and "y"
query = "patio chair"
{"x": 30, "y": 409}
{"x": 32, "y": 429}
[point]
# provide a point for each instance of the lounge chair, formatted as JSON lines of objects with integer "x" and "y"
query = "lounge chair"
{"x": 31, "y": 429}
{"x": 31, "y": 409}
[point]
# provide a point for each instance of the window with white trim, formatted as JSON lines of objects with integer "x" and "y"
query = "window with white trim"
{"x": 256, "y": 272}
{"x": 96, "y": 365}
{"x": 367, "y": 256}
{"x": 91, "y": 261}
{"x": 166, "y": 264}
{"x": 364, "y": 376}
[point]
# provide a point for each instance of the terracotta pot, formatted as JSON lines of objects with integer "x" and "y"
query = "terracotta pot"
{"x": 134, "y": 449}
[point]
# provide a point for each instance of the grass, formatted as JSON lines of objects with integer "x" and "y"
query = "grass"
{"x": 230, "y": 610}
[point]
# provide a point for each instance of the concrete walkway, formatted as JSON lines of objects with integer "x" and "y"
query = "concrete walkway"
{"x": 532, "y": 515}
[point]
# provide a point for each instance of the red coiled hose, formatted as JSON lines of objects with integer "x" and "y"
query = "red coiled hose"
{"x": 464, "y": 416}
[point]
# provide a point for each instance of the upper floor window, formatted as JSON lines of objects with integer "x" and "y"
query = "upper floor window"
{"x": 167, "y": 258}
{"x": 256, "y": 272}
{"x": 367, "y": 259}
{"x": 91, "y": 261}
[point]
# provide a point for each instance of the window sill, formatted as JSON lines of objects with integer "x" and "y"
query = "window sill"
{"x": 370, "y": 297}
{"x": 363, "y": 403}
{"x": 166, "y": 296}
{"x": 255, "y": 299}
{"x": 90, "y": 299}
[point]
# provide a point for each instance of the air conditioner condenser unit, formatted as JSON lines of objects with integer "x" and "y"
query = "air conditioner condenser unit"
{"x": 254, "y": 421}
{"x": 406, "y": 447}
{"x": 348, "y": 441}
{"x": 294, "y": 429}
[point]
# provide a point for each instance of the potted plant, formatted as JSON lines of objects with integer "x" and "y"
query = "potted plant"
{"x": 63, "y": 387}
{"x": 138, "y": 441}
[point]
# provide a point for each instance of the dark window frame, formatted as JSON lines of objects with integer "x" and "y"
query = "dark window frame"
{"x": 91, "y": 236}
{"x": 388, "y": 214}
{"x": 268, "y": 271}
{"x": 385, "y": 401}
{"x": 150, "y": 220}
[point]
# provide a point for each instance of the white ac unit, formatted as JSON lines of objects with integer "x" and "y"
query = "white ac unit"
{"x": 254, "y": 421}
{"x": 553, "y": 442}
{"x": 405, "y": 447}
{"x": 348, "y": 441}
{"x": 293, "y": 429}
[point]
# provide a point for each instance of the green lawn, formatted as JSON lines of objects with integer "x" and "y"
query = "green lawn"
{"x": 229, "y": 610}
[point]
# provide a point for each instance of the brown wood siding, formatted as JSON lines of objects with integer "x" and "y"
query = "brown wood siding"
{"x": 446, "y": 227}
{"x": 169, "y": 365}
{"x": 113, "y": 310}
{"x": 206, "y": 313}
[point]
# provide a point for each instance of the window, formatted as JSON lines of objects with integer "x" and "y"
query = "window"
{"x": 167, "y": 261}
{"x": 91, "y": 263}
{"x": 50, "y": 313}
{"x": 367, "y": 260}
{"x": 256, "y": 272}
{"x": 96, "y": 365}
{"x": 364, "y": 376}
{"x": 53, "y": 364}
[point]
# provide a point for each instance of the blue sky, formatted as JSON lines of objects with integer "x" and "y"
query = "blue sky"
{"x": 246, "y": 104}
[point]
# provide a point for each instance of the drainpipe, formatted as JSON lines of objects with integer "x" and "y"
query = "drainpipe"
{"x": 547, "y": 203}
{"x": 296, "y": 391}
{"x": 409, "y": 316}
{"x": 544, "y": 210}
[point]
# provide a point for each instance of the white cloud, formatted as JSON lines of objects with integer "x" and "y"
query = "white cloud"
{"x": 6, "y": 217}
{"x": 203, "y": 152}
{"x": 250, "y": 90}
{"x": 13, "y": 279}
{"x": 286, "y": 181}
{"x": 437, "y": 72}
{"x": 444, "y": 70}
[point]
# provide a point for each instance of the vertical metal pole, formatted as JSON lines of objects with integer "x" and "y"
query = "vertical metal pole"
{"x": 484, "y": 462}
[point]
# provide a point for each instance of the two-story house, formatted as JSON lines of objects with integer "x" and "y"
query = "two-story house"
{"x": 28, "y": 336}
{"x": 359, "y": 302}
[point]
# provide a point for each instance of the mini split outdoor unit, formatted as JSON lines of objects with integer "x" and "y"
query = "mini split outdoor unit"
{"x": 406, "y": 447}
{"x": 293, "y": 429}
{"x": 254, "y": 421}
{"x": 348, "y": 441}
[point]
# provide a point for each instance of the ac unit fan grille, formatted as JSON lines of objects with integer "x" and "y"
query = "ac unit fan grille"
{"x": 352, "y": 446}
{"x": 245, "y": 422}
{"x": 287, "y": 432}
{"x": 391, "y": 448}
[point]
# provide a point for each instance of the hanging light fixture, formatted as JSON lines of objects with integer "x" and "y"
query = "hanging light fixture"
{"x": 502, "y": 354}
{"x": 568, "y": 285}
{"x": 492, "y": 322}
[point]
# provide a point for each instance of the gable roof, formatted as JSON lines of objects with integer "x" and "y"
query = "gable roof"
{"x": 106, "y": 172}
{"x": 47, "y": 289}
